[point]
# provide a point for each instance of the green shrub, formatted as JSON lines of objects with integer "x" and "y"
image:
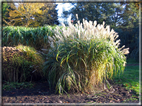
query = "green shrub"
{"x": 21, "y": 63}
{"x": 83, "y": 57}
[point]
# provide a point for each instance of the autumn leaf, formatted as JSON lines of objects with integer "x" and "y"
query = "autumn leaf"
{"x": 126, "y": 84}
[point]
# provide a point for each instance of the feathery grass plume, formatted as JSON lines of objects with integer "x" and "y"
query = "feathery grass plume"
{"x": 84, "y": 56}
{"x": 88, "y": 30}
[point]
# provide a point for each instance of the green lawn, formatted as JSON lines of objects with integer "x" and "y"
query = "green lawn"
{"x": 130, "y": 77}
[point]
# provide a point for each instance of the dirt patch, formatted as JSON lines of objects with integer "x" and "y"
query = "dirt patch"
{"x": 40, "y": 94}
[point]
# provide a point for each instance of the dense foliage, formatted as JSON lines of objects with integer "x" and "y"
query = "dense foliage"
{"x": 128, "y": 28}
{"x": 92, "y": 12}
{"x": 30, "y": 14}
{"x": 21, "y": 63}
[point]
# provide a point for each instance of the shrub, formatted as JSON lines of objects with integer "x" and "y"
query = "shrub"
{"x": 83, "y": 57}
{"x": 21, "y": 63}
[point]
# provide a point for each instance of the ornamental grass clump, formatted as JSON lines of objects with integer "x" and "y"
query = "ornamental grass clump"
{"x": 84, "y": 57}
{"x": 33, "y": 37}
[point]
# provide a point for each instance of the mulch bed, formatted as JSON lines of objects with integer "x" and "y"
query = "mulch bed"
{"x": 40, "y": 94}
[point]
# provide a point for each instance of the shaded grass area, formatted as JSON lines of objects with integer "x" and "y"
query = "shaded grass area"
{"x": 130, "y": 78}
{"x": 15, "y": 85}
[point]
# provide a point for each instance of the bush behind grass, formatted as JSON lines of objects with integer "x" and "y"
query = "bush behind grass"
{"x": 21, "y": 63}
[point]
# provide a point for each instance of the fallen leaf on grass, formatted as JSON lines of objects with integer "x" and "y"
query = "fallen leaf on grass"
{"x": 126, "y": 84}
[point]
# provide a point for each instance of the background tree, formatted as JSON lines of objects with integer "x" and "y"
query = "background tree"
{"x": 32, "y": 14}
{"x": 5, "y": 7}
{"x": 130, "y": 15}
{"x": 128, "y": 28}
{"x": 49, "y": 15}
{"x": 95, "y": 11}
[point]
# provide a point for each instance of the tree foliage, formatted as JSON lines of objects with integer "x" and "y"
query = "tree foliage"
{"x": 5, "y": 7}
{"x": 128, "y": 28}
{"x": 48, "y": 16}
{"x": 95, "y": 11}
{"x": 130, "y": 16}
{"x": 32, "y": 14}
